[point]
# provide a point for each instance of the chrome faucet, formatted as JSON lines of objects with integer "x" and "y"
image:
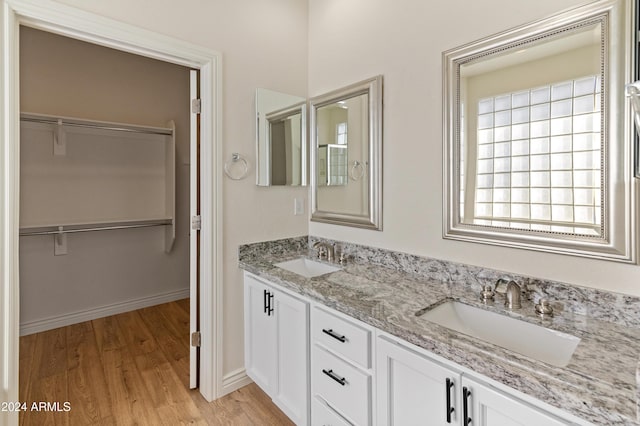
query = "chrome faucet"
{"x": 512, "y": 295}
{"x": 325, "y": 248}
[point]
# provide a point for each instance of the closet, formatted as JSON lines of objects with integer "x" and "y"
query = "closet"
{"x": 86, "y": 176}
{"x": 104, "y": 181}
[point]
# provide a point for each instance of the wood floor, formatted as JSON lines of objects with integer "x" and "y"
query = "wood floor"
{"x": 128, "y": 369}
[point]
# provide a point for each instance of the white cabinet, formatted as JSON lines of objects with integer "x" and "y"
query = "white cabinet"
{"x": 342, "y": 372}
{"x": 487, "y": 406}
{"x": 326, "y": 368}
{"x": 415, "y": 389}
{"x": 277, "y": 346}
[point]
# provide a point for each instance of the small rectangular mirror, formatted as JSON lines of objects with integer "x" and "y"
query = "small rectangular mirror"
{"x": 281, "y": 147}
{"x": 346, "y": 150}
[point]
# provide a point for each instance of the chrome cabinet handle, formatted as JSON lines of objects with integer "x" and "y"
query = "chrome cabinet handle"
{"x": 335, "y": 377}
{"x": 331, "y": 333}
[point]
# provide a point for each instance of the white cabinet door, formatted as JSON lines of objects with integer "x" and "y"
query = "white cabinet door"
{"x": 259, "y": 336}
{"x": 292, "y": 318}
{"x": 413, "y": 390}
{"x": 487, "y": 406}
{"x": 276, "y": 328}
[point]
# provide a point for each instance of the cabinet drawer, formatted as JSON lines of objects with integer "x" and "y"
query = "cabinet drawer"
{"x": 342, "y": 336}
{"x": 322, "y": 415}
{"x": 342, "y": 385}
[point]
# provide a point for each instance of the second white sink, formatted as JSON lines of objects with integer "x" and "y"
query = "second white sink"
{"x": 550, "y": 346}
{"x": 306, "y": 267}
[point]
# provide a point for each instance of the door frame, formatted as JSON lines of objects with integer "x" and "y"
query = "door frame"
{"x": 75, "y": 23}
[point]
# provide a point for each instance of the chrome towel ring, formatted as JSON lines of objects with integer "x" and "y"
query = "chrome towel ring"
{"x": 357, "y": 170}
{"x": 237, "y": 167}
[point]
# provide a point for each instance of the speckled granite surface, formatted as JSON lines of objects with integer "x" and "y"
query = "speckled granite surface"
{"x": 385, "y": 289}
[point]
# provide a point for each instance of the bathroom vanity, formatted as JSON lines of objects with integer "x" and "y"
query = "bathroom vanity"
{"x": 355, "y": 346}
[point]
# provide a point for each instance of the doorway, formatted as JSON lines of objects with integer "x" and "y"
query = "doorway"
{"x": 105, "y": 194}
{"x": 105, "y": 187}
{"x": 88, "y": 27}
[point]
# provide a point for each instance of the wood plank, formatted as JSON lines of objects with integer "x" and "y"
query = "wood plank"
{"x": 178, "y": 318}
{"x": 107, "y": 334}
{"x": 49, "y": 389}
{"x": 258, "y": 405}
{"x": 184, "y": 304}
{"x": 87, "y": 384}
{"x": 129, "y": 369}
{"x": 27, "y": 347}
{"x": 172, "y": 341}
{"x": 135, "y": 334}
{"x": 223, "y": 411}
{"x": 50, "y": 356}
{"x": 130, "y": 404}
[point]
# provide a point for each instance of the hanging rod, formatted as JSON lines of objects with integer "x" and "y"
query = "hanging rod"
{"x": 97, "y": 125}
{"x": 107, "y": 227}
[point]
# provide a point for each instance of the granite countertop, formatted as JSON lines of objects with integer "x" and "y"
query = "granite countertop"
{"x": 600, "y": 383}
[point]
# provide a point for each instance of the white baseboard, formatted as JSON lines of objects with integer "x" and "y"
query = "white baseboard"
{"x": 100, "y": 312}
{"x": 234, "y": 380}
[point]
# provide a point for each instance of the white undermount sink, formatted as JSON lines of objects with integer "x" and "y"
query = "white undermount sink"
{"x": 307, "y": 268}
{"x": 550, "y": 346}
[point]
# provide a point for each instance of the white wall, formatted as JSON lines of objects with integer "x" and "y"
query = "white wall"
{"x": 264, "y": 44}
{"x": 404, "y": 40}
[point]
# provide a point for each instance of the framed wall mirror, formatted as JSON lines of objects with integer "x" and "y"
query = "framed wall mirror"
{"x": 281, "y": 141}
{"x": 346, "y": 155}
{"x": 537, "y": 135}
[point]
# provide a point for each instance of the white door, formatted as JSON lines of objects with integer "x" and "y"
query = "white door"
{"x": 413, "y": 390}
{"x": 194, "y": 212}
{"x": 487, "y": 406}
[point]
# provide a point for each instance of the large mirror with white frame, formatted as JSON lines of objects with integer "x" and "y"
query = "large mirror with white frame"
{"x": 537, "y": 135}
{"x": 346, "y": 148}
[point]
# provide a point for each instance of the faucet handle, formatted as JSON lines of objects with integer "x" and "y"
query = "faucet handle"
{"x": 501, "y": 285}
{"x": 543, "y": 308}
{"x": 487, "y": 293}
{"x": 322, "y": 252}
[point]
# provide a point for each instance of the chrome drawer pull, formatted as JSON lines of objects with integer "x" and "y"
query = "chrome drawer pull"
{"x": 335, "y": 377}
{"x": 331, "y": 333}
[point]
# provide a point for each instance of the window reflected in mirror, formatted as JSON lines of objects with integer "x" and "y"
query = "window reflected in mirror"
{"x": 531, "y": 142}
{"x": 538, "y": 156}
